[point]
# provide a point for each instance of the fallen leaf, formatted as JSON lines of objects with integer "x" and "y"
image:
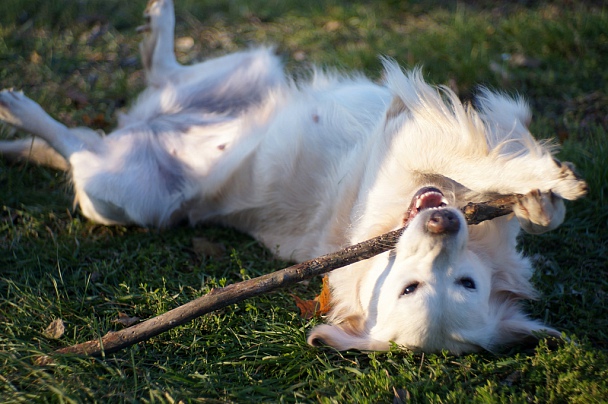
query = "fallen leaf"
{"x": 206, "y": 248}
{"x": 332, "y": 25}
{"x": 184, "y": 43}
{"x": 521, "y": 60}
{"x": 55, "y": 330}
{"x": 319, "y": 306}
{"x": 98, "y": 31}
{"x": 35, "y": 58}
{"x": 44, "y": 360}
{"x": 98, "y": 121}
{"x": 308, "y": 308}
{"x": 80, "y": 99}
{"x": 299, "y": 56}
{"x": 125, "y": 320}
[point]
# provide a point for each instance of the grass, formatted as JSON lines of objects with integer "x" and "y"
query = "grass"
{"x": 79, "y": 60}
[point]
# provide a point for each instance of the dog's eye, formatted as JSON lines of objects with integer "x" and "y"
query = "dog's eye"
{"x": 411, "y": 288}
{"x": 467, "y": 283}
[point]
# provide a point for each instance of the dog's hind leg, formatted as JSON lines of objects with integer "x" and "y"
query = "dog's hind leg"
{"x": 58, "y": 143}
{"x": 157, "y": 45}
{"x": 252, "y": 70}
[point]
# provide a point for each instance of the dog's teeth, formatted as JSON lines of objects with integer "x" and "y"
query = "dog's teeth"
{"x": 420, "y": 200}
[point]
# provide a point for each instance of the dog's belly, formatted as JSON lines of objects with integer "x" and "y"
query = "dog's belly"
{"x": 296, "y": 191}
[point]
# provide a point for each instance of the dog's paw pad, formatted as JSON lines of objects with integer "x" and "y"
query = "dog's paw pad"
{"x": 538, "y": 212}
{"x": 151, "y": 7}
{"x": 156, "y": 8}
{"x": 157, "y": 14}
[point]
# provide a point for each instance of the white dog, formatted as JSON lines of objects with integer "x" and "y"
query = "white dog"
{"x": 310, "y": 167}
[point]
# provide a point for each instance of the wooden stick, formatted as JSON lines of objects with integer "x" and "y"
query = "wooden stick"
{"x": 218, "y": 298}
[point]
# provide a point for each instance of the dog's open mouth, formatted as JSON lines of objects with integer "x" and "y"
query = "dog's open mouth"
{"x": 425, "y": 198}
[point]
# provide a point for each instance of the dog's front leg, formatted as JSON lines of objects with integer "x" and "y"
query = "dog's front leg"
{"x": 544, "y": 185}
{"x": 544, "y": 182}
{"x": 539, "y": 212}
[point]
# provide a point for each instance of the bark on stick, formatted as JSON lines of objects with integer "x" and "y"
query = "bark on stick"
{"x": 218, "y": 298}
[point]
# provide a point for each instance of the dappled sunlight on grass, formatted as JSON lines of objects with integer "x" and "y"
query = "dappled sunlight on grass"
{"x": 79, "y": 60}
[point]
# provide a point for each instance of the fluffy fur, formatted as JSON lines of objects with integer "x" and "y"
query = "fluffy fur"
{"x": 309, "y": 167}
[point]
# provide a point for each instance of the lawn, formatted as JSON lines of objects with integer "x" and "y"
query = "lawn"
{"x": 79, "y": 60}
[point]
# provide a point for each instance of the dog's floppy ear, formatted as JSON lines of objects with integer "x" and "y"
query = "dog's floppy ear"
{"x": 337, "y": 337}
{"x": 395, "y": 114}
{"x": 396, "y": 108}
{"x": 517, "y": 328}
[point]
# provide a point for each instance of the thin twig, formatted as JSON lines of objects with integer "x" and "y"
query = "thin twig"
{"x": 218, "y": 298}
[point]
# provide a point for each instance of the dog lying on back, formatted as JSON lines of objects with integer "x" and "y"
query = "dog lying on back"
{"x": 310, "y": 167}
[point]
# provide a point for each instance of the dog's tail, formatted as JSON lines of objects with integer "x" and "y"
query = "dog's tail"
{"x": 37, "y": 150}
{"x": 32, "y": 149}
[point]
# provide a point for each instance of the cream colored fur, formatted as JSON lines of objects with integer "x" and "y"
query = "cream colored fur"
{"x": 311, "y": 166}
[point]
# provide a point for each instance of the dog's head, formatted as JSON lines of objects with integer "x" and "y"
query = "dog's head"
{"x": 433, "y": 292}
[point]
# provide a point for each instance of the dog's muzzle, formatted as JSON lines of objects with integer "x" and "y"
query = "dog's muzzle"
{"x": 439, "y": 219}
{"x": 443, "y": 221}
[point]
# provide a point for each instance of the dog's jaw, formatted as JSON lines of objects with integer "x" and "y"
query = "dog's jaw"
{"x": 430, "y": 217}
{"x": 425, "y": 198}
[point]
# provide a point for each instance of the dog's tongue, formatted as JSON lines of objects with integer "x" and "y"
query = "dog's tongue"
{"x": 425, "y": 198}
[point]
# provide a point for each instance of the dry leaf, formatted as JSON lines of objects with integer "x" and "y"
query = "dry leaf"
{"x": 98, "y": 121}
{"x": 184, "y": 43}
{"x": 55, "y": 330}
{"x": 332, "y": 25}
{"x": 324, "y": 297}
{"x": 521, "y": 60}
{"x": 319, "y": 306}
{"x": 44, "y": 360}
{"x": 125, "y": 320}
{"x": 308, "y": 308}
{"x": 35, "y": 58}
{"x": 206, "y": 248}
{"x": 299, "y": 56}
{"x": 80, "y": 99}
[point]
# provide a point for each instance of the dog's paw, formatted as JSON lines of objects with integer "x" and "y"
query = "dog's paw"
{"x": 569, "y": 184}
{"x": 16, "y": 109}
{"x": 539, "y": 212}
{"x": 156, "y": 14}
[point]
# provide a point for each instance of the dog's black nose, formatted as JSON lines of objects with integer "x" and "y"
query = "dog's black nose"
{"x": 443, "y": 221}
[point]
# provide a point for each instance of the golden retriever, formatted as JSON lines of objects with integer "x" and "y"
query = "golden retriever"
{"x": 309, "y": 166}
